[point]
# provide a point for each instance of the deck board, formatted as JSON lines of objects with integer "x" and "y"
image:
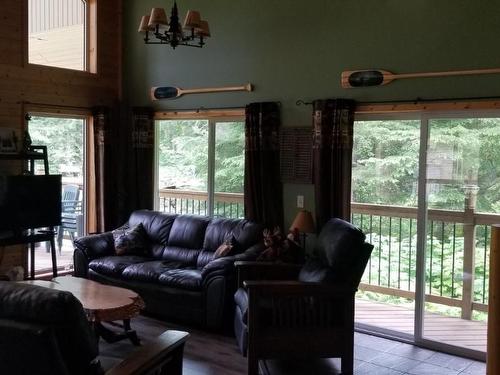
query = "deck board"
{"x": 450, "y": 330}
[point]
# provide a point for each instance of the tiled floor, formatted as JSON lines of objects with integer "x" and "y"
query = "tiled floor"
{"x": 377, "y": 356}
{"x": 213, "y": 354}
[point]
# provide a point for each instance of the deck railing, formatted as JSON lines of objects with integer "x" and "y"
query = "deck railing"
{"x": 180, "y": 201}
{"x": 458, "y": 246}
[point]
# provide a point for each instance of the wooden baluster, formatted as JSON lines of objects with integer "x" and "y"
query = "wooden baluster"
{"x": 493, "y": 359}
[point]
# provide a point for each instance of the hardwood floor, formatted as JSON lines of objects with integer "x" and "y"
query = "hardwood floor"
{"x": 215, "y": 354}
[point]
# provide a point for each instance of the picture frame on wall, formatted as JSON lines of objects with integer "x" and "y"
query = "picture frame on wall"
{"x": 8, "y": 141}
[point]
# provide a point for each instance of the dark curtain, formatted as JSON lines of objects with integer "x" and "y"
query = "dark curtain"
{"x": 332, "y": 158}
{"x": 141, "y": 169}
{"x": 103, "y": 171}
{"x": 263, "y": 188}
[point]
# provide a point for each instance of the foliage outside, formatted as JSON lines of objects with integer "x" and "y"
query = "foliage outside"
{"x": 462, "y": 153}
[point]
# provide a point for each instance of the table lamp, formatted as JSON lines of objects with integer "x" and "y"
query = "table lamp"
{"x": 304, "y": 224}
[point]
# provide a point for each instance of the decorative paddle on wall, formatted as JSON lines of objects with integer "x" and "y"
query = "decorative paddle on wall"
{"x": 169, "y": 92}
{"x": 366, "y": 78}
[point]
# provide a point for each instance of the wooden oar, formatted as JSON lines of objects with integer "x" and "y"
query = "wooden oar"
{"x": 366, "y": 78}
{"x": 169, "y": 92}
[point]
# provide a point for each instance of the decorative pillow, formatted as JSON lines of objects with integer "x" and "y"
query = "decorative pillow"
{"x": 226, "y": 247}
{"x": 130, "y": 241}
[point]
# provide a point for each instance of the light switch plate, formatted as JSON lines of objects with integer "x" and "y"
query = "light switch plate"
{"x": 300, "y": 201}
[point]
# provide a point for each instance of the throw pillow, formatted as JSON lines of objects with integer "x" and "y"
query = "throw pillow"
{"x": 130, "y": 241}
{"x": 226, "y": 247}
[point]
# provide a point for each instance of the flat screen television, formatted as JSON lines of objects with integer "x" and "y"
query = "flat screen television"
{"x": 29, "y": 202}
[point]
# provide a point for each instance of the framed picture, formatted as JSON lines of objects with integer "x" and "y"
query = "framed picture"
{"x": 8, "y": 141}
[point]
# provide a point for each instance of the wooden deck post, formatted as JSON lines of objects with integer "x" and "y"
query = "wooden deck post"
{"x": 493, "y": 359}
{"x": 469, "y": 250}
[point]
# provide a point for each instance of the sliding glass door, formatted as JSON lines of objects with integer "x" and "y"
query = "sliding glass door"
{"x": 462, "y": 183}
{"x": 64, "y": 137}
{"x": 426, "y": 191}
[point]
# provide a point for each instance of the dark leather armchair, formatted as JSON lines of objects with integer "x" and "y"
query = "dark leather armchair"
{"x": 45, "y": 332}
{"x": 287, "y": 312}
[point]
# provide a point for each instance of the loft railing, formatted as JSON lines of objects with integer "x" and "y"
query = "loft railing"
{"x": 180, "y": 201}
{"x": 458, "y": 246}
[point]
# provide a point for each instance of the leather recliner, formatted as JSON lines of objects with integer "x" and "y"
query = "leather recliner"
{"x": 284, "y": 311}
{"x": 45, "y": 332}
{"x": 178, "y": 277}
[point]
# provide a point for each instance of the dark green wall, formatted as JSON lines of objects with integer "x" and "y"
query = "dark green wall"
{"x": 297, "y": 49}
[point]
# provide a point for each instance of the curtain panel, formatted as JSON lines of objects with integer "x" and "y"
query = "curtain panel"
{"x": 141, "y": 169}
{"x": 263, "y": 187}
{"x": 333, "y": 121}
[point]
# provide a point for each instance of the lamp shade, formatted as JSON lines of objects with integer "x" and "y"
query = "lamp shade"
{"x": 303, "y": 222}
{"x": 157, "y": 17}
{"x": 203, "y": 30}
{"x": 144, "y": 25}
{"x": 192, "y": 20}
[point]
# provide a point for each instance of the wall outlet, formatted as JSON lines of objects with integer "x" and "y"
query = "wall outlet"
{"x": 300, "y": 201}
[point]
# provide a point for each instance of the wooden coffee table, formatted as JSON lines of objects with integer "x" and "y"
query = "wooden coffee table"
{"x": 102, "y": 303}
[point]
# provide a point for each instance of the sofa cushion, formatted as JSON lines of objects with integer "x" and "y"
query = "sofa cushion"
{"x": 188, "y": 231}
{"x": 114, "y": 265}
{"x": 157, "y": 225}
{"x": 184, "y": 278}
{"x": 316, "y": 272}
{"x": 217, "y": 232}
{"x": 179, "y": 254}
{"x": 204, "y": 258}
{"x": 131, "y": 241}
{"x": 241, "y": 300}
{"x": 148, "y": 271}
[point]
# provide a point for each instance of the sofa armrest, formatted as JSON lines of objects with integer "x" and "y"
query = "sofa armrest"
{"x": 164, "y": 353}
{"x": 96, "y": 245}
{"x": 225, "y": 265}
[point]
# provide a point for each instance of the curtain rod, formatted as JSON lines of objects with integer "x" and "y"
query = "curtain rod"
{"x": 53, "y": 105}
{"x": 415, "y": 101}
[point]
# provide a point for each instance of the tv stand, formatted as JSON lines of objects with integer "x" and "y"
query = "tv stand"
{"x": 31, "y": 238}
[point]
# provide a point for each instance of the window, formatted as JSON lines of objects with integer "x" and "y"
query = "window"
{"x": 57, "y": 33}
{"x": 200, "y": 166}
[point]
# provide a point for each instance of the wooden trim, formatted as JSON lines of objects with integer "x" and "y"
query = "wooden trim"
{"x": 493, "y": 360}
{"x": 91, "y": 36}
{"x": 381, "y": 108}
{"x": 55, "y": 110}
{"x": 200, "y": 114}
{"x": 91, "y": 220}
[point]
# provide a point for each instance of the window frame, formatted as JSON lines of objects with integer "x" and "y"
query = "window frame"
{"x": 90, "y": 42}
{"x": 213, "y": 117}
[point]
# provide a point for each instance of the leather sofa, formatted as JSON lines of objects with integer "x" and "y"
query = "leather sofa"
{"x": 178, "y": 277}
{"x": 45, "y": 332}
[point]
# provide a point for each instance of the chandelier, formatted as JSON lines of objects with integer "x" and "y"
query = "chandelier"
{"x": 192, "y": 33}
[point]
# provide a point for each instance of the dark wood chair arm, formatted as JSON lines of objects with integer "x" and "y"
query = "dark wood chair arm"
{"x": 251, "y": 270}
{"x": 281, "y": 288}
{"x": 165, "y": 352}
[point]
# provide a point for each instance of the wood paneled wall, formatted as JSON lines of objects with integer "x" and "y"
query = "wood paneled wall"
{"x": 21, "y": 82}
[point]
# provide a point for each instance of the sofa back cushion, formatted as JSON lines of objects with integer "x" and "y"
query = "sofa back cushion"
{"x": 186, "y": 239}
{"x": 244, "y": 234}
{"x": 157, "y": 225}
